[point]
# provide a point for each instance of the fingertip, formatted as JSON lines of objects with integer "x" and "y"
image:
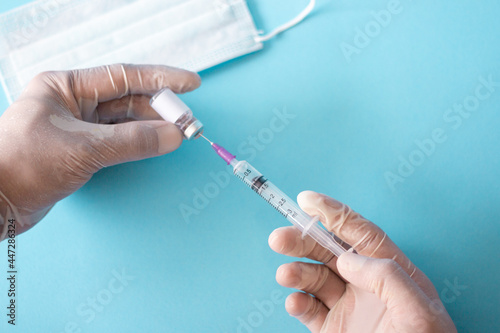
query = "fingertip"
{"x": 289, "y": 275}
{"x": 196, "y": 80}
{"x": 342, "y": 259}
{"x": 349, "y": 262}
{"x": 272, "y": 239}
{"x": 296, "y": 304}
{"x": 282, "y": 240}
{"x": 280, "y": 272}
{"x": 314, "y": 199}
{"x": 169, "y": 138}
{"x": 192, "y": 82}
{"x": 304, "y": 195}
{"x": 312, "y": 203}
{"x": 178, "y": 80}
{"x": 309, "y": 310}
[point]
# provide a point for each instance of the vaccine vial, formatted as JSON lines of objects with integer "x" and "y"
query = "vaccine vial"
{"x": 172, "y": 109}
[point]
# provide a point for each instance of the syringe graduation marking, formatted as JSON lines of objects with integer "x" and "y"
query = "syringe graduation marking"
{"x": 275, "y": 207}
{"x": 262, "y": 180}
{"x": 278, "y": 208}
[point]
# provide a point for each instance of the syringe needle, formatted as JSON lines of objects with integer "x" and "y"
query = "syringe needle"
{"x": 211, "y": 143}
{"x": 223, "y": 153}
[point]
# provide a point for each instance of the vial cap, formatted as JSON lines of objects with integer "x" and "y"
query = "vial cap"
{"x": 194, "y": 130}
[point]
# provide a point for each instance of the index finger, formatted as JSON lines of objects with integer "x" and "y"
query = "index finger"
{"x": 111, "y": 82}
{"x": 364, "y": 236}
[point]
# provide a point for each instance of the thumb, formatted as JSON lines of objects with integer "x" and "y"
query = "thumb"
{"x": 133, "y": 141}
{"x": 382, "y": 277}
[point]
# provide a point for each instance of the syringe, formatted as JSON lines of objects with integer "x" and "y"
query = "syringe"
{"x": 280, "y": 201}
{"x": 172, "y": 109}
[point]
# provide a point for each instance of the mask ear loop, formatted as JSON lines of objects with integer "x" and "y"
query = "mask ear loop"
{"x": 288, "y": 25}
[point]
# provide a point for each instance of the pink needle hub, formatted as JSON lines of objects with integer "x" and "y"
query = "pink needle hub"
{"x": 223, "y": 153}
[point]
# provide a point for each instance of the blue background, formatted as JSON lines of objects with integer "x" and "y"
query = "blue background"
{"x": 354, "y": 121}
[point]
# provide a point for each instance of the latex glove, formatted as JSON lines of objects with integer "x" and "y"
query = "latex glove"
{"x": 68, "y": 125}
{"x": 379, "y": 290}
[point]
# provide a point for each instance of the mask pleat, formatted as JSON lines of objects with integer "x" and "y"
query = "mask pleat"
{"x": 192, "y": 34}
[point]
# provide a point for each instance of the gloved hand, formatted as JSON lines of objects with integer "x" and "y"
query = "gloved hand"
{"x": 379, "y": 290}
{"x": 68, "y": 125}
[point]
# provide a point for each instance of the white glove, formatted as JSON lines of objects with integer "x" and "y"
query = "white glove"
{"x": 379, "y": 290}
{"x": 68, "y": 125}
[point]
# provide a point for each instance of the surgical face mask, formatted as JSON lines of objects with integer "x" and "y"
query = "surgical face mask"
{"x": 63, "y": 34}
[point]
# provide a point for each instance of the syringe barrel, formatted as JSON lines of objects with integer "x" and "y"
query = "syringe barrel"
{"x": 285, "y": 206}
